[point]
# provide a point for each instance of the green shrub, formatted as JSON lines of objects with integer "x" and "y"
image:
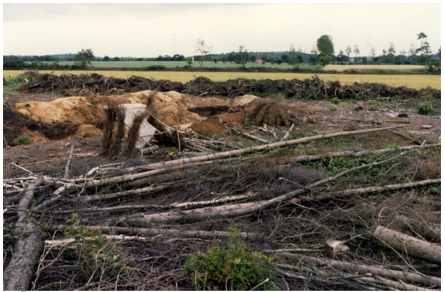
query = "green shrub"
{"x": 425, "y": 109}
{"x": 333, "y": 108}
{"x": 230, "y": 267}
{"x": 335, "y": 100}
{"x": 96, "y": 253}
{"x": 21, "y": 140}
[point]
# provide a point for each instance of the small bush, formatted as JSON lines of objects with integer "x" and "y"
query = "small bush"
{"x": 333, "y": 108}
{"x": 231, "y": 267}
{"x": 425, "y": 109}
{"x": 21, "y": 140}
{"x": 335, "y": 100}
{"x": 99, "y": 257}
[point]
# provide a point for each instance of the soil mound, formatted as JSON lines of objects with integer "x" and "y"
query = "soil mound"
{"x": 83, "y": 116}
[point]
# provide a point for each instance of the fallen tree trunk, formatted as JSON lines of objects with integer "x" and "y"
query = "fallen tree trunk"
{"x": 238, "y": 152}
{"x": 407, "y": 244}
{"x": 17, "y": 275}
{"x": 247, "y": 208}
{"x": 170, "y": 232}
{"x": 394, "y": 274}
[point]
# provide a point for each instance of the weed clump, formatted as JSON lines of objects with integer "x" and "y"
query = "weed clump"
{"x": 100, "y": 258}
{"x": 230, "y": 267}
{"x": 425, "y": 109}
{"x": 21, "y": 140}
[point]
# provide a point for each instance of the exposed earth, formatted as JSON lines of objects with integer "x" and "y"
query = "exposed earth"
{"x": 79, "y": 121}
{"x": 171, "y": 211}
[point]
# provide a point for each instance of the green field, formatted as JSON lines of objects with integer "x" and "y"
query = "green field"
{"x": 181, "y": 64}
{"x": 220, "y": 65}
{"x": 412, "y": 81}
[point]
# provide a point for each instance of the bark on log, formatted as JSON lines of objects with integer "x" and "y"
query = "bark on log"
{"x": 407, "y": 244}
{"x": 394, "y": 274}
{"x": 238, "y": 152}
{"x": 18, "y": 274}
{"x": 170, "y": 232}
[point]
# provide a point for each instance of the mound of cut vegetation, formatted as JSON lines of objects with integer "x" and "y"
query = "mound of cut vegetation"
{"x": 314, "y": 88}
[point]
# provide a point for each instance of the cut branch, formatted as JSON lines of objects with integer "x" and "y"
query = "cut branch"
{"x": 394, "y": 274}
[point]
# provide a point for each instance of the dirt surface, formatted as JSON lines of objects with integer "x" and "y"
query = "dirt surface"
{"x": 85, "y": 117}
{"x": 214, "y": 125}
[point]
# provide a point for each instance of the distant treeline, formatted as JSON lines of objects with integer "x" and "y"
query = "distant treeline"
{"x": 51, "y": 62}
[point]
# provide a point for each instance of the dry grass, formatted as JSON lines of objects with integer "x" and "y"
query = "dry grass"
{"x": 411, "y": 81}
{"x": 372, "y": 67}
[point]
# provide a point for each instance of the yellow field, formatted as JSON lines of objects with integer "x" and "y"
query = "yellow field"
{"x": 373, "y": 67}
{"x": 412, "y": 81}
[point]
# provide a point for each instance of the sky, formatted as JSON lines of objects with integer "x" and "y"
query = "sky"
{"x": 150, "y": 30}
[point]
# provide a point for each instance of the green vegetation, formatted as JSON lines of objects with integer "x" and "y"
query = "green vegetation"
{"x": 14, "y": 83}
{"x": 230, "y": 267}
{"x": 410, "y": 134}
{"x": 22, "y": 140}
{"x": 425, "y": 109}
{"x": 335, "y": 100}
{"x": 101, "y": 258}
{"x": 83, "y": 58}
{"x": 374, "y": 105}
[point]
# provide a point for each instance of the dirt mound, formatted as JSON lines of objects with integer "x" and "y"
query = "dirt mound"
{"x": 16, "y": 124}
{"x": 81, "y": 116}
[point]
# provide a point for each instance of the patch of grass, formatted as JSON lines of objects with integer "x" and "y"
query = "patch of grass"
{"x": 230, "y": 267}
{"x": 374, "y": 105}
{"x": 333, "y": 108}
{"x": 410, "y": 134}
{"x": 21, "y": 140}
{"x": 14, "y": 83}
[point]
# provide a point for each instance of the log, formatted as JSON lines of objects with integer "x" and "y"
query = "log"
{"x": 18, "y": 274}
{"x": 251, "y": 149}
{"x": 407, "y": 244}
{"x": 393, "y": 274}
{"x": 170, "y": 232}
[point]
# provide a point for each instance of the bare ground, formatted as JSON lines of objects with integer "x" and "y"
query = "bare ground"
{"x": 157, "y": 259}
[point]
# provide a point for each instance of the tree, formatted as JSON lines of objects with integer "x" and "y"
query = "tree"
{"x": 348, "y": 51}
{"x": 342, "y": 57}
{"x": 84, "y": 58}
{"x": 356, "y": 52}
{"x": 241, "y": 56}
{"x": 106, "y": 58}
{"x": 424, "y": 49}
{"x": 391, "y": 54}
{"x": 325, "y": 45}
{"x": 292, "y": 53}
{"x": 202, "y": 49}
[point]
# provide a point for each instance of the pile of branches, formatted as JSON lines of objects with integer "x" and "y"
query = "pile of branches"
{"x": 318, "y": 224}
{"x": 315, "y": 88}
{"x": 93, "y": 84}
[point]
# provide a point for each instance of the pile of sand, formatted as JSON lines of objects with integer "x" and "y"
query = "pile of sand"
{"x": 177, "y": 110}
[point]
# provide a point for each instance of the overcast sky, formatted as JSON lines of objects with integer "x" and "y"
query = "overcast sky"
{"x": 150, "y": 30}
